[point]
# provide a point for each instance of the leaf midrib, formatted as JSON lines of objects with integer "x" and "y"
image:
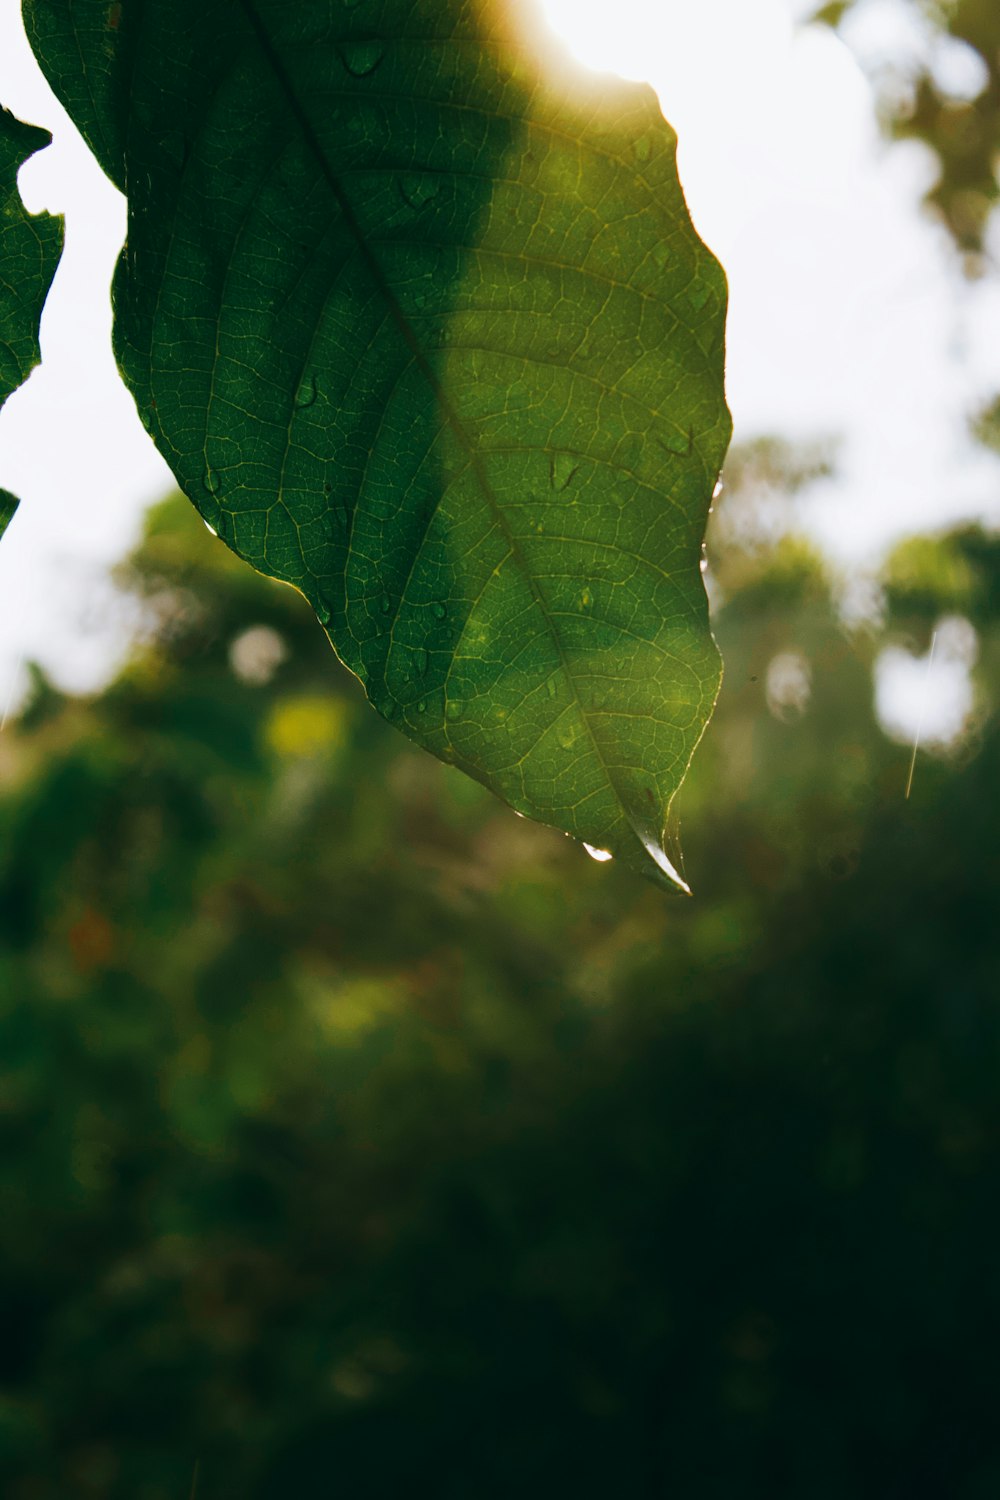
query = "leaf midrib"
{"x": 408, "y": 334}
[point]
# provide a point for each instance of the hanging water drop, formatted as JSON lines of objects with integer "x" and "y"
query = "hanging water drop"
{"x": 211, "y": 481}
{"x": 718, "y": 490}
{"x": 601, "y": 855}
{"x": 361, "y": 58}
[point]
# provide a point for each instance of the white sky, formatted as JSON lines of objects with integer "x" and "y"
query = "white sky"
{"x": 847, "y": 315}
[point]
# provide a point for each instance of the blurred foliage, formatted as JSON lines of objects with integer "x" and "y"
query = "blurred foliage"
{"x": 963, "y": 132}
{"x": 362, "y": 1139}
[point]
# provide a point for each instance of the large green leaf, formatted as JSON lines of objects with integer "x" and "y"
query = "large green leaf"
{"x": 420, "y": 322}
{"x": 30, "y": 246}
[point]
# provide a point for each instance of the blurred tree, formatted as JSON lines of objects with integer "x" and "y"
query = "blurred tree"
{"x": 359, "y": 1137}
{"x": 950, "y": 100}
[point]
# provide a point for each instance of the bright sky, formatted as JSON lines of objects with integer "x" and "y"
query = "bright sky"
{"x": 847, "y": 316}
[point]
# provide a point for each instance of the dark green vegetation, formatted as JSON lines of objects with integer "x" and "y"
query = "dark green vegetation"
{"x": 30, "y": 246}
{"x": 418, "y": 318}
{"x": 360, "y": 1139}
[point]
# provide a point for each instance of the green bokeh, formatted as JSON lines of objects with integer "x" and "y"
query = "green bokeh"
{"x": 360, "y": 1138}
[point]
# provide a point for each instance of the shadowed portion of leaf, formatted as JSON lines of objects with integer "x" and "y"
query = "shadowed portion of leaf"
{"x": 8, "y": 505}
{"x": 30, "y": 246}
{"x": 422, "y": 326}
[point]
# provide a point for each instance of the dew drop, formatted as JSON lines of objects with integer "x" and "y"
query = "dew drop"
{"x": 388, "y": 707}
{"x": 211, "y": 481}
{"x": 601, "y": 855}
{"x": 566, "y": 735}
{"x": 361, "y": 58}
{"x": 421, "y": 707}
{"x": 562, "y": 467}
{"x": 586, "y": 598}
{"x": 322, "y": 611}
{"x": 552, "y": 687}
{"x": 454, "y": 709}
{"x": 675, "y": 441}
{"x": 438, "y": 611}
{"x": 420, "y": 657}
{"x": 718, "y": 490}
{"x": 385, "y": 604}
{"x": 643, "y": 148}
{"x": 306, "y": 393}
{"x": 210, "y": 528}
{"x": 418, "y": 189}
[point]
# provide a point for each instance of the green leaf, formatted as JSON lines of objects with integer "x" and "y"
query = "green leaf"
{"x": 419, "y": 320}
{"x": 8, "y": 505}
{"x": 30, "y": 246}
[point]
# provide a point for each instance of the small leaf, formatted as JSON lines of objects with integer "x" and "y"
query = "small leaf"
{"x": 8, "y": 505}
{"x": 30, "y": 246}
{"x": 422, "y": 326}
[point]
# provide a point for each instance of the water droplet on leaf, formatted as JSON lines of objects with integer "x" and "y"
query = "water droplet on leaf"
{"x": 306, "y": 393}
{"x": 420, "y": 657}
{"x": 586, "y": 598}
{"x": 438, "y": 611}
{"x": 385, "y": 604}
{"x": 454, "y": 709}
{"x": 211, "y": 481}
{"x": 562, "y": 467}
{"x": 419, "y": 188}
{"x": 361, "y": 58}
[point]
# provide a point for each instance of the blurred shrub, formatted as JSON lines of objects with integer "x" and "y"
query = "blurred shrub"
{"x": 361, "y": 1139}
